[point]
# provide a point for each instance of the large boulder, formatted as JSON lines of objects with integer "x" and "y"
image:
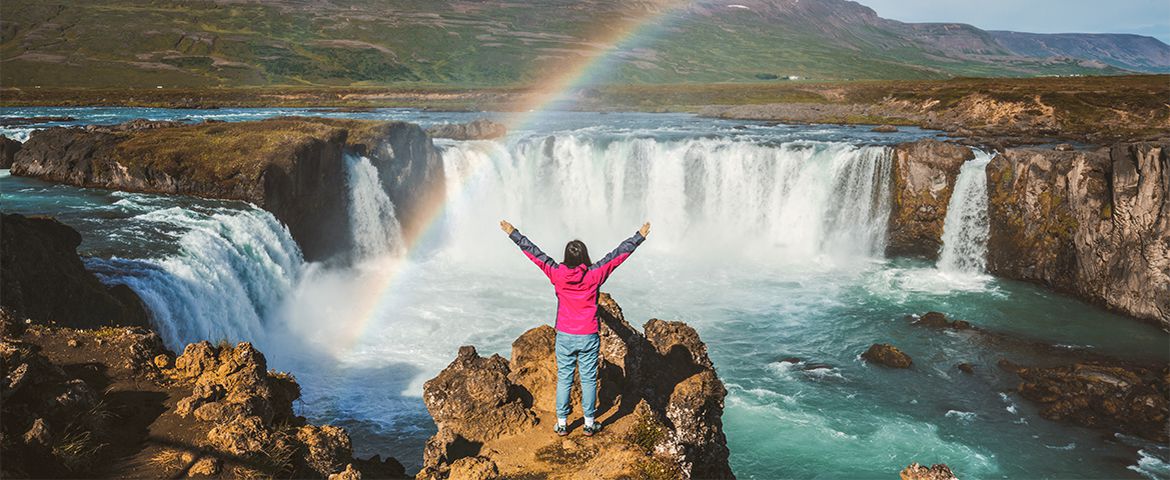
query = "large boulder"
{"x": 44, "y": 280}
{"x": 924, "y": 175}
{"x": 294, "y": 167}
{"x": 1092, "y": 223}
{"x": 887, "y": 355}
{"x": 661, "y": 378}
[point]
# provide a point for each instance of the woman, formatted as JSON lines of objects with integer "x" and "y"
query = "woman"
{"x": 577, "y": 281}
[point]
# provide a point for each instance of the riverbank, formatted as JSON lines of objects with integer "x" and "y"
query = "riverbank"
{"x": 1019, "y": 110}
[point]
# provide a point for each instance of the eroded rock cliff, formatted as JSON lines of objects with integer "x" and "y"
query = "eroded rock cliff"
{"x": 1094, "y": 223}
{"x": 924, "y": 175}
{"x": 660, "y": 402}
{"x": 294, "y": 167}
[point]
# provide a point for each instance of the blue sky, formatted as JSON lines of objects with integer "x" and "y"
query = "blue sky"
{"x": 1145, "y": 17}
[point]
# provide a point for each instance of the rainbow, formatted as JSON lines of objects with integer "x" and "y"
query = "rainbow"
{"x": 378, "y": 282}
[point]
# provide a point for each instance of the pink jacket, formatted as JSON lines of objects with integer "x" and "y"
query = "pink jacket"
{"x": 577, "y": 288}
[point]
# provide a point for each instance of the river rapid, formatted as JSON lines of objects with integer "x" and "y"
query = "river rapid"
{"x": 768, "y": 239}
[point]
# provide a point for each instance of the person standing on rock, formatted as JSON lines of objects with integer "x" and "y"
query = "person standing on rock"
{"x": 577, "y": 281}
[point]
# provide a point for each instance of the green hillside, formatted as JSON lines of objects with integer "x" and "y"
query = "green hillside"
{"x": 132, "y": 43}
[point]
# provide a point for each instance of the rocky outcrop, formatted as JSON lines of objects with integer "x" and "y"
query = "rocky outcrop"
{"x": 1124, "y": 398}
{"x": 42, "y": 278}
{"x": 293, "y": 167}
{"x": 887, "y": 355}
{"x": 56, "y": 424}
{"x": 115, "y": 403}
{"x": 247, "y": 412}
{"x": 8, "y": 149}
{"x": 937, "y": 471}
{"x": 660, "y": 401}
{"x": 479, "y": 129}
{"x": 1092, "y": 223}
{"x": 924, "y": 175}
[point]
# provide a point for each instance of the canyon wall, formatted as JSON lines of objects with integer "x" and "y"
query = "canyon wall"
{"x": 1093, "y": 223}
{"x": 292, "y": 166}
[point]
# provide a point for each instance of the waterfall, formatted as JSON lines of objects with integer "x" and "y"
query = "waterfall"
{"x": 231, "y": 271}
{"x": 375, "y": 229}
{"x": 965, "y": 229}
{"x": 787, "y": 202}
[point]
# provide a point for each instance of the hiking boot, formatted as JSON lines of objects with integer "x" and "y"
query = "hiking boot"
{"x": 589, "y": 430}
{"x": 561, "y": 430}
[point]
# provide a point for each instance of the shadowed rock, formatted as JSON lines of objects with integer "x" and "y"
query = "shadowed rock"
{"x": 8, "y": 149}
{"x": 43, "y": 279}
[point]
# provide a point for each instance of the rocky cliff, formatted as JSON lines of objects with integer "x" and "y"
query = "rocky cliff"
{"x": 43, "y": 280}
{"x": 294, "y": 167}
{"x": 1094, "y": 223}
{"x": 924, "y": 175}
{"x": 113, "y": 403}
{"x": 660, "y": 403}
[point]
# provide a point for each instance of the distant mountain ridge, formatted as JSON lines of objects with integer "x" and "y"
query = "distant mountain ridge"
{"x": 1132, "y": 52}
{"x": 208, "y": 43}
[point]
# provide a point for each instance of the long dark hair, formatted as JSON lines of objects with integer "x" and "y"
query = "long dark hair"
{"x": 576, "y": 254}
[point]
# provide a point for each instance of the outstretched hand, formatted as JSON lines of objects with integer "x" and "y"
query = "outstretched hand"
{"x": 645, "y": 230}
{"x": 507, "y": 227}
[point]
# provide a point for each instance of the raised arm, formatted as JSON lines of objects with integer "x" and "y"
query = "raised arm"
{"x": 610, "y": 262}
{"x": 530, "y": 249}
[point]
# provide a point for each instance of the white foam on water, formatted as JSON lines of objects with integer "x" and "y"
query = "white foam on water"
{"x": 233, "y": 268}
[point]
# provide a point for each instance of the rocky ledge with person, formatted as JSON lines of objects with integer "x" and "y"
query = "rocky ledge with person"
{"x": 660, "y": 407}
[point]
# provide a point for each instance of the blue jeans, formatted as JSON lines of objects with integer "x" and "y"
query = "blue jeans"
{"x": 579, "y": 351}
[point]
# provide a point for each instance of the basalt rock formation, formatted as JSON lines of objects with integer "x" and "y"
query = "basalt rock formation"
{"x": 479, "y": 129}
{"x": 42, "y": 278}
{"x": 294, "y": 167}
{"x": 1125, "y": 398}
{"x": 660, "y": 402}
{"x": 1094, "y": 223}
{"x": 924, "y": 175}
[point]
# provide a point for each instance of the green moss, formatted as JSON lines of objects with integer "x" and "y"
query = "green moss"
{"x": 647, "y": 432}
{"x": 654, "y": 468}
{"x": 1107, "y": 211}
{"x": 232, "y": 155}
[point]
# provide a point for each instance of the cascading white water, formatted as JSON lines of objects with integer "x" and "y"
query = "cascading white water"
{"x": 375, "y": 228}
{"x": 794, "y": 201}
{"x": 231, "y": 272}
{"x": 965, "y": 229}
